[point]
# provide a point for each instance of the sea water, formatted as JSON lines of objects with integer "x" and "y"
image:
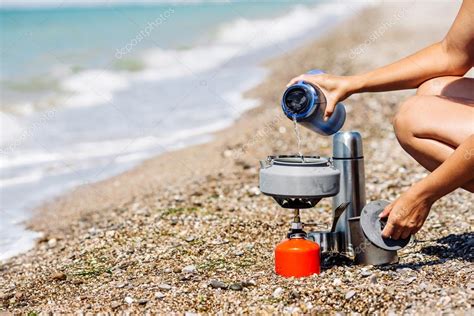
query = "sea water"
{"x": 91, "y": 88}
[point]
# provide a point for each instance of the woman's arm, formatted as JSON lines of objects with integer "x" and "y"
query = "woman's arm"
{"x": 454, "y": 55}
{"x": 453, "y": 173}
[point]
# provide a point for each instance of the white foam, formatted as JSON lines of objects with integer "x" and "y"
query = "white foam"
{"x": 10, "y": 128}
{"x": 264, "y": 32}
{"x": 93, "y": 87}
{"x": 236, "y": 38}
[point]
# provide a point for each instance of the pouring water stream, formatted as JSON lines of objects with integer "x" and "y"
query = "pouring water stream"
{"x": 298, "y": 137}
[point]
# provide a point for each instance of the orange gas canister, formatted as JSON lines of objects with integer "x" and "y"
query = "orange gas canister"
{"x": 297, "y": 257}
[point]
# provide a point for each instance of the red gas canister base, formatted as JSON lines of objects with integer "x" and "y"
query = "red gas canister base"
{"x": 297, "y": 257}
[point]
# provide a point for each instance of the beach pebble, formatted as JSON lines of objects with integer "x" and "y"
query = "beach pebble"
{"x": 350, "y": 294}
{"x": 249, "y": 283}
{"x": 164, "y": 287}
{"x": 239, "y": 253}
{"x": 365, "y": 273}
{"x": 52, "y": 242}
{"x": 218, "y": 284}
{"x": 294, "y": 294}
{"x": 189, "y": 269}
{"x": 336, "y": 282}
{"x": 236, "y": 287}
{"x": 143, "y": 301}
{"x": 59, "y": 276}
{"x": 159, "y": 295}
{"x": 189, "y": 238}
{"x": 373, "y": 279}
{"x": 128, "y": 300}
{"x": 254, "y": 191}
{"x": 278, "y": 292}
{"x": 409, "y": 280}
{"x": 115, "y": 304}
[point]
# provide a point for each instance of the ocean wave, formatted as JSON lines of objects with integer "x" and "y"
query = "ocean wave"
{"x": 82, "y": 154}
{"x": 234, "y": 39}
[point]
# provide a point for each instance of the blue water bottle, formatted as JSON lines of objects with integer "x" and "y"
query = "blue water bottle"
{"x": 306, "y": 103}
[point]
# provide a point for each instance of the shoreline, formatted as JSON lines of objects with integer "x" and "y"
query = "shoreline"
{"x": 131, "y": 235}
{"x": 102, "y": 152}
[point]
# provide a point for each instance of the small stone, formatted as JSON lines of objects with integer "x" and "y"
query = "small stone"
{"x": 110, "y": 234}
{"x": 254, "y": 191}
{"x": 373, "y": 279}
{"x": 190, "y": 314}
{"x": 52, "y": 242}
{"x": 218, "y": 284}
{"x": 164, "y": 287}
{"x": 143, "y": 301}
{"x": 115, "y": 304}
{"x": 128, "y": 300}
{"x": 350, "y": 294}
{"x": 59, "y": 276}
{"x": 278, "y": 292}
{"x": 249, "y": 283}
{"x": 294, "y": 294}
{"x": 236, "y": 287}
{"x": 189, "y": 238}
{"x": 159, "y": 295}
{"x": 336, "y": 282}
{"x": 365, "y": 273}
{"x": 239, "y": 253}
{"x": 176, "y": 270}
{"x": 410, "y": 280}
{"x": 445, "y": 300}
{"x": 168, "y": 270}
{"x": 186, "y": 277}
{"x": 189, "y": 269}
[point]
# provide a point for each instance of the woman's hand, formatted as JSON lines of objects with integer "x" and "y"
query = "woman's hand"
{"x": 406, "y": 214}
{"x": 335, "y": 88}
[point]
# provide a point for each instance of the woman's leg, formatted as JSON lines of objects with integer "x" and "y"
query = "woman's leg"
{"x": 430, "y": 127}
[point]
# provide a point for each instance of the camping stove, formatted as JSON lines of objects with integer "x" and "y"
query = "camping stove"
{"x": 300, "y": 182}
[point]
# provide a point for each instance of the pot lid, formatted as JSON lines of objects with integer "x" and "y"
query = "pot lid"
{"x": 373, "y": 226}
{"x": 295, "y": 160}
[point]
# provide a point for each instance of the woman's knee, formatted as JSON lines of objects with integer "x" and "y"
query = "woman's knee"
{"x": 404, "y": 122}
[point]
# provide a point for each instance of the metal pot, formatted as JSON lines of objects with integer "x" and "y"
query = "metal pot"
{"x": 365, "y": 252}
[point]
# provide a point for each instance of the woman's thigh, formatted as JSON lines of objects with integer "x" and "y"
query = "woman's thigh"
{"x": 446, "y": 119}
{"x": 448, "y": 86}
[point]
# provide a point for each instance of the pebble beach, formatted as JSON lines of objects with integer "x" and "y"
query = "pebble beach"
{"x": 188, "y": 232}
